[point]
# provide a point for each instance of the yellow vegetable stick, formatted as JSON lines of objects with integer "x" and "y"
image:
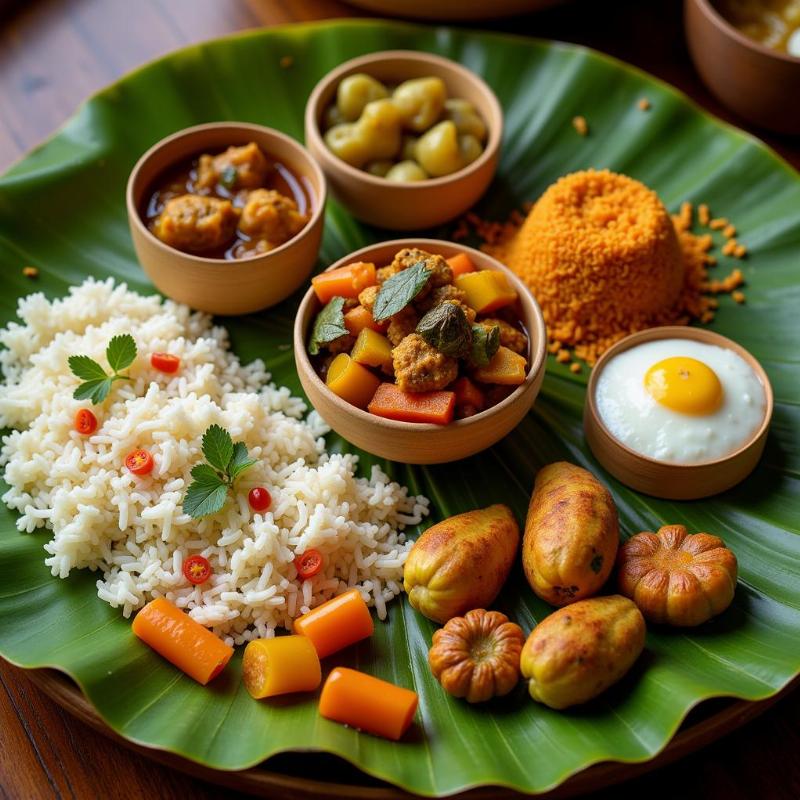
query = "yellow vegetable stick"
{"x": 281, "y": 665}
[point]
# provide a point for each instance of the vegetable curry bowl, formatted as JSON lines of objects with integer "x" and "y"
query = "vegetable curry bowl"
{"x": 407, "y": 140}
{"x": 227, "y": 217}
{"x": 410, "y": 353}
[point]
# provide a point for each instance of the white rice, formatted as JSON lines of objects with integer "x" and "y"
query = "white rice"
{"x": 133, "y": 530}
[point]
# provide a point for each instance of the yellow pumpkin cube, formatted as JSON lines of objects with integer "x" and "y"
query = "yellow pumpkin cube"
{"x": 486, "y": 290}
{"x": 372, "y": 349}
{"x": 506, "y": 368}
{"x": 351, "y": 381}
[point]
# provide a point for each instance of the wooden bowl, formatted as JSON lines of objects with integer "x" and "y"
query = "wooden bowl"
{"x": 453, "y": 9}
{"x": 417, "y": 443}
{"x": 214, "y": 284}
{"x": 407, "y": 206}
{"x": 665, "y": 479}
{"x": 760, "y": 84}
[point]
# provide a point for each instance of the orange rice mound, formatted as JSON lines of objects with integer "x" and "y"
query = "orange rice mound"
{"x": 603, "y": 257}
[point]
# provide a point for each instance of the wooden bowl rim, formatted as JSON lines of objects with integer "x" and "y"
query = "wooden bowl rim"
{"x": 222, "y": 264}
{"x": 698, "y": 335}
{"x": 720, "y": 23}
{"x": 313, "y": 112}
{"x": 535, "y": 323}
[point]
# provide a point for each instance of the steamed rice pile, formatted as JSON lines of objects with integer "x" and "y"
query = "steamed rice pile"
{"x": 132, "y": 529}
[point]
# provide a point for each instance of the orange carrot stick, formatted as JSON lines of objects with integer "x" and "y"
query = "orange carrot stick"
{"x": 182, "y": 641}
{"x": 367, "y": 703}
{"x": 460, "y": 263}
{"x": 338, "y": 623}
{"x": 346, "y": 281}
{"x": 393, "y": 403}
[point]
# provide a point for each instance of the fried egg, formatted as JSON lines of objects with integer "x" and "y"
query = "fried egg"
{"x": 680, "y": 400}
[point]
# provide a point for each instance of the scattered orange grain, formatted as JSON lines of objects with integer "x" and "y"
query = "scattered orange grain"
{"x": 718, "y": 224}
{"x": 729, "y": 231}
{"x": 563, "y": 357}
{"x": 30, "y": 272}
{"x": 740, "y": 251}
{"x": 703, "y": 214}
{"x": 644, "y": 104}
{"x": 581, "y": 125}
{"x": 738, "y": 297}
{"x": 575, "y": 367}
{"x": 286, "y": 62}
{"x": 729, "y": 248}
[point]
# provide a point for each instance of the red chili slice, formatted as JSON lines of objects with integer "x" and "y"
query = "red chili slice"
{"x": 197, "y": 569}
{"x": 308, "y": 564}
{"x": 259, "y": 499}
{"x": 139, "y": 462}
{"x": 165, "y": 362}
{"x": 85, "y": 422}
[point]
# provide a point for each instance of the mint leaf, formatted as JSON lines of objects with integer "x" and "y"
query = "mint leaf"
{"x": 96, "y": 390}
{"x": 218, "y": 447}
{"x": 121, "y": 351}
{"x": 206, "y": 494}
{"x": 328, "y": 325}
{"x": 485, "y": 343}
{"x": 239, "y": 462}
{"x": 85, "y": 368}
{"x": 399, "y": 290}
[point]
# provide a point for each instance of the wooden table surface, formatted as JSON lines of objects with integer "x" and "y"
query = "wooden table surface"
{"x": 53, "y": 53}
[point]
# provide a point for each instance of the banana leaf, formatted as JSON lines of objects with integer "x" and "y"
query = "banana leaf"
{"x": 62, "y": 210}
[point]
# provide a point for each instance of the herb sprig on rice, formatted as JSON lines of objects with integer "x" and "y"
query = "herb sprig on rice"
{"x": 212, "y": 481}
{"x": 120, "y": 354}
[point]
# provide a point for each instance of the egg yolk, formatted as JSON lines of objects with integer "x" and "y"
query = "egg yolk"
{"x": 685, "y": 385}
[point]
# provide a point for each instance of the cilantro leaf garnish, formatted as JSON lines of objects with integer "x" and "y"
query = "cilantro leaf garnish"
{"x": 212, "y": 481}
{"x": 399, "y": 290}
{"x": 239, "y": 461}
{"x": 328, "y": 325}
{"x": 217, "y": 447}
{"x": 120, "y": 354}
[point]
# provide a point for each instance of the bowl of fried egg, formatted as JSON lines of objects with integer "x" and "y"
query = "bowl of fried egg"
{"x": 678, "y": 412}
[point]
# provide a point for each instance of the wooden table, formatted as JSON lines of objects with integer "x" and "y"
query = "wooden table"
{"x": 53, "y": 53}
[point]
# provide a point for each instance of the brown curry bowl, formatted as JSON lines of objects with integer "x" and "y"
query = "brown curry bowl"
{"x": 411, "y": 442}
{"x": 215, "y": 285}
{"x": 666, "y": 479}
{"x": 407, "y": 206}
{"x": 760, "y": 84}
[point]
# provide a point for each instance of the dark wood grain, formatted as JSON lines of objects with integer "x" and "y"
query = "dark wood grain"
{"x": 53, "y": 54}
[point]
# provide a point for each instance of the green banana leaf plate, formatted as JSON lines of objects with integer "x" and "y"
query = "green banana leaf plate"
{"x": 62, "y": 210}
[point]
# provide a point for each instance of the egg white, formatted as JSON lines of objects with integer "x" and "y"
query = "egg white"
{"x": 634, "y": 417}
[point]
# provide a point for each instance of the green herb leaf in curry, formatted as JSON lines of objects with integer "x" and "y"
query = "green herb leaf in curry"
{"x": 328, "y": 326}
{"x": 399, "y": 290}
{"x": 485, "y": 343}
{"x": 447, "y": 328}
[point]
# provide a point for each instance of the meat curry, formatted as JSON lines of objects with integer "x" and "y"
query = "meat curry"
{"x": 231, "y": 205}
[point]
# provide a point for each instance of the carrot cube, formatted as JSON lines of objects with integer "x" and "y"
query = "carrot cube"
{"x": 393, "y": 403}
